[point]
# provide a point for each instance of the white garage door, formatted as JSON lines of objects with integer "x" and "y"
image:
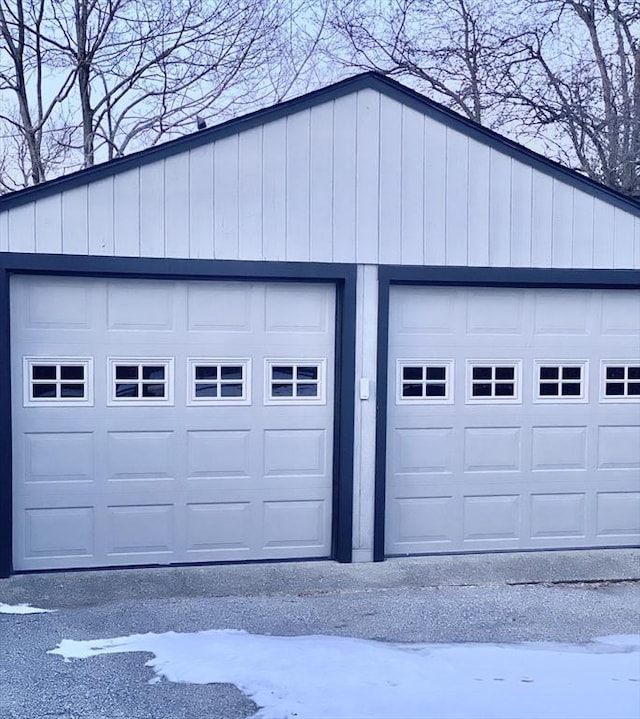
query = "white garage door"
{"x": 158, "y": 422}
{"x": 514, "y": 419}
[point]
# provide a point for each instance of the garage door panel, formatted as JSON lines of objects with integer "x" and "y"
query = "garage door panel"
{"x": 618, "y": 514}
{"x": 532, "y": 473}
{"x": 122, "y": 484}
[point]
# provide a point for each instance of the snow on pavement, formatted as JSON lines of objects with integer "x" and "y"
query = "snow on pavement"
{"x": 22, "y": 609}
{"x": 323, "y": 677}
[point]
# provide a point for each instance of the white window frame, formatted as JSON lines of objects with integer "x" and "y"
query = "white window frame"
{"x": 30, "y": 361}
{"x": 561, "y": 399}
{"x": 243, "y": 362}
{"x": 449, "y": 366}
{"x": 626, "y": 363}
{"x": 320, "y": 363}
{"x": 114, "y": 401}
{"x": 517, "y": 381}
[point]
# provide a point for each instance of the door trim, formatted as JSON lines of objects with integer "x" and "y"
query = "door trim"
{"x": 341, "y": 275}
{"x": 389, "y": 275}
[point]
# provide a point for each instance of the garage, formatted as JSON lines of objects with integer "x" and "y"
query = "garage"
{"x": 351, "y": 325}
{"x": 513, "y": 419}
{"x": 159, "y": 421}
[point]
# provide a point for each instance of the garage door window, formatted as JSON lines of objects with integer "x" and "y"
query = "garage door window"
{"x": 219, "y": 381}
{"x": 493, "y": 383}
{"x": 563, "y": 382}
{"x": 299, "y": 382}
{"x": 427, "y": 381}
{"x": 620, "y": 381}
{"x": 135, "y": 381}
{"x": 57, "y": 381}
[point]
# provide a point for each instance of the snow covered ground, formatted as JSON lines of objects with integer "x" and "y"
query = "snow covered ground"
{"x": 324, "y": 677}
{"x": 22, "y": 609}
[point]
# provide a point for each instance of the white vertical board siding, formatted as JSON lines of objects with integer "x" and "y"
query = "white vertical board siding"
{"x": 412, "y": 187}
{"x": 176, "y": 206}
{"x": 126, "y": 211}
{"x": 321, "y": 183}
{"x": 435, "y": 189}
{"x": 22, "y": 228}
{"x": 363, "y": 178}
{"x": 225, "y": 223}
{"x": 75, "y": 221}
{"x": 456, "y": 198}
{"x": 521, "y": 200}
{"x": 152, "y": 221}
{"x": 274, "y": 191}
{"x": 389, "y": 211}
{"x": 201, "y": 201}
{"x": 583, "y": 205}
{"x": 49, "y": 224}
{"x": 344, "y": 178}
{"x": 4, "y": 232}
{"x": 100, "y": 217}
{"x": 478, "y": 204}
{"x": 367, "y": 176}
{"x": 298, "y": 154}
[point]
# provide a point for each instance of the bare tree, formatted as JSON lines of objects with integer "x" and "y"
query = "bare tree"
{"x": 29, "y": 123}
{"x": 574, "y": 84}
{"x": 562, "y": 74}
{"x": 93, "y": 78}
{"x": 447, "y": 47}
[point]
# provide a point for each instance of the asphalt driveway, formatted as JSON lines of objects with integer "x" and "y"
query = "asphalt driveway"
{"x": 551, "y": 596}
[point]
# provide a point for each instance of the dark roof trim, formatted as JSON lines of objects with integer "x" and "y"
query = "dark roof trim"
{"x": 370, "y": 80}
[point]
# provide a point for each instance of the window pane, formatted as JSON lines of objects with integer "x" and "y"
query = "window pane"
{"x": 282, "y": 390}
{"x": 153, "y": 390}
{"x": 206, "y": 390}
{"x": 43, "y": 372}
{"x": 126, "y": 390}
{"x": 205, "y": 372}
{"x": 40, "y": 391}
{"x": 614, "y": 389}
{"x": 505, "y": 373}
{"x": 505, "y": 389}
{"x": 481, "y": 390}
{"x": 633, "y": 372}
{"x": 435, "y": 390}
{"x": 633, "y": 388}
{"x": 436, "y": 373}
{"x": 307, "y": 390}
{"x": 72, "y": 390}
{"x": 412, "y": 373}
{"x": 482, "y": 373}
{"x": 615, "y": 372}
{"x": 282, "y": 373}
{"x": 71, "y": 372}
{"x": 571, "y": 389}
{"x": 571, "y": 372}
{"x": 234, "y": 372}
{"x": 307, "y": 373}
{"x": 127, "y": 372}
{"x": 549, "y": 389}
{"x": 549, "y": 373}
{"x": 153, "y": 372}
{"x": 412, "y": 390}
{"x": 231, "y": 390}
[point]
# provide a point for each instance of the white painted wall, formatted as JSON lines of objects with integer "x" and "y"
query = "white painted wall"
{"x": 364, "y": 460}
{"x": 359, "y": 179}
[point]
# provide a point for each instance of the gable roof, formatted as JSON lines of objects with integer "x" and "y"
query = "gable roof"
{"x": 369, "y": 80}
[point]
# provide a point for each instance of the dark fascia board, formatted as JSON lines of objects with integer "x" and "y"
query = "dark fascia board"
{"x": 369, "y": 80}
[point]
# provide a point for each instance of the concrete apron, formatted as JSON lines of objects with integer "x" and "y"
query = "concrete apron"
{"x": 97, "y": 587}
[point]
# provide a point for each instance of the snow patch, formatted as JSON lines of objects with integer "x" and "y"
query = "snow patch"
{"x": 322, "y": 677}
{"x": 22, "y": 609}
